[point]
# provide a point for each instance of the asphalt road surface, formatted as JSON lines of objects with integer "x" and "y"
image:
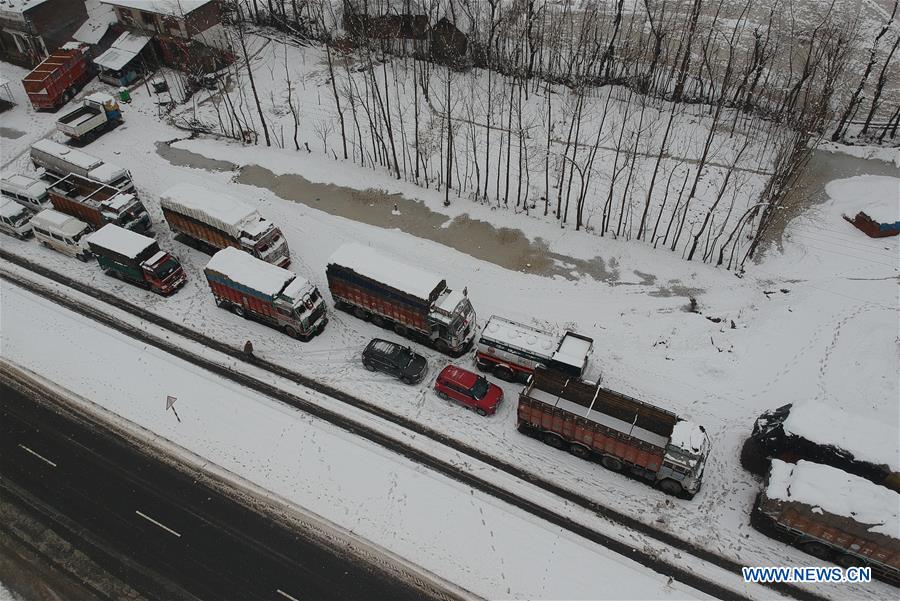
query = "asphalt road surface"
{"x": 150, "y": 515}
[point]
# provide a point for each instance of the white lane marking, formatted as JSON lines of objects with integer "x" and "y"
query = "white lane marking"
{"x": 38, "y": 455}
{"x": 285, "y": 595}
{"x": 163, "y": 526}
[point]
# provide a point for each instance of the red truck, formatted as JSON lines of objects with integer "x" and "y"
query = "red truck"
{"x": 58, "y": 78}
{"x": 624, "y": 434}
{"x": 255, "y": 289}
{"x": 98, "y": 204}
{"x": 414, "y": 303}
{"x": 832, "y": 515}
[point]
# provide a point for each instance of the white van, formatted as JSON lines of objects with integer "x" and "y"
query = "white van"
{"x": 62, "y": 233}
{"x": 14, "y": 219}
{"x": 27, "y": 191}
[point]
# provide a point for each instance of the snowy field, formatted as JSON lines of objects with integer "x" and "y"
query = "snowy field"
{"x": 816, "y": 320}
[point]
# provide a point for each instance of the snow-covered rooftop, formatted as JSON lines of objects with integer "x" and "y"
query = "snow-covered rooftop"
{"x": 77, "y": 157}
{"x": 877, "y": 442}
{"x": 100, "y": 17}
{"x": 106, "y": 172}
{"x": 175, "y": 8}
{"x": 67, "y": 223}
{"x": 838, "y": 493}
{"x": 878, "y": 196}
{"x": 119, "y": 201}
{"x": 34, "y": 187}
{"x": 118, "y": 239}
{"x": 126, "y": 47}
{"x": 242, "y": 268}
{"x": 366, "y": 262}
{"x": 520, "y": 336}
{"x": 18, "y": 6}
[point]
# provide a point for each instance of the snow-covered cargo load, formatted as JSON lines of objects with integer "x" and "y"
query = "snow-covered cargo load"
{"x": 137, "y": 259}
{"x": 255, "y": 289}
{"x": 99, "y": 112}
{"x": 60, "y": 160}
{"x": 620, "y": 432}
{"x": 98, "y": 204}
{"x": 513, "y": 350}
{"x": 816, "y": 432}
{"x": 212, "y": 221}
{"x": 832, "y": 515}
{"x": 413, "y": 302}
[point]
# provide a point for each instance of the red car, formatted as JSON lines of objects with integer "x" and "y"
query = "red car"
{"x": 470, "y": 390}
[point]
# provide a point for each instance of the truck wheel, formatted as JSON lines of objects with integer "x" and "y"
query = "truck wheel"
{"x": 553, "y": 440}
{"x": 481, "y": 412}
{"x": 817, "y": 549}
{"x": 361, "y": 313}
{"x": 504, "y": 373}
{"x": 613, "y": 464}
{"x": 845, "y": 560}
{"x": 671, "y": 487}
{"x": 443, "y": 395}
{"x": 399, "y": 330}
{"x": 291, "y": 331}
{"x": 378, "y": 321}
{"x": 580, "y": 451}
{"x": 482, "y": 367}
{"x": 369, "y": 366}
{"x": 239, "y": 311}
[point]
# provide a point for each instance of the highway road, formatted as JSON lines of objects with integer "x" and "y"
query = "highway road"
{"x": 155, "y": 519}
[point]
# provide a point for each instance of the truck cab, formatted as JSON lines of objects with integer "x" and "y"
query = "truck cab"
{"x": 685, "y": 458}
{"x": 163, "y": 273}
{"x": 303, "y": 302}
{"x": 125, "y": 210}
{"x": 264, "y": 241}
{"x": 453, "y": 320}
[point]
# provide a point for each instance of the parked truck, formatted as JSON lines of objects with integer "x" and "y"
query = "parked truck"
{"x": 59, "y": 160}
{"x": 620, "y": 432}
{"x": 255, "y": 289}
{"x": 815, "y": 432}
{"x": 512, "y": 351}
{"x": 415, "y": 303}
{"x": 98, "y": 114}
{"x": 98, "y": 204}
{"x": 136, "y": 259}
{"x": 211, "y": 221}
{"x": 832, "y": 515}
{"x": 57, "y": 79}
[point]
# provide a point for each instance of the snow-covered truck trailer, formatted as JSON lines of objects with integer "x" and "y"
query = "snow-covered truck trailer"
{"x": 98, "y": 113}
{"x": 60, "y": 160}
{"x": 512, "y": 351}
{"x": 620, "y": 432}
{"x": 415, "y": 303}
{"x": 255, "y": 289}
{"x": 809, "y": 430}
{"x": 832, "y": 515}
{"x": 136, "y": 259}
{"x": 98, "y": 204}
{"x": 211, "y": 222}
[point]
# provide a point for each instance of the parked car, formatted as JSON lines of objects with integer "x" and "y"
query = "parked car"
{"x": 469, "y": 389}
{"x": 14, "y": 219}
{"x": 395, "y": 359}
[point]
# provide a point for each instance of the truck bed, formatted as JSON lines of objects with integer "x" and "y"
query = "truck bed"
{"x": 79, "y": 116}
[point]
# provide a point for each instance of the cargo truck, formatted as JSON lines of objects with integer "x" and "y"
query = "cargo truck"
{"x": 832, "y": 515}
{"x": 60, "y": 160}
{"x": 414, "y": 303}
{"x": 620, "y": 432}
{"x": 255, "y": 289}
{"x": 815, "y": 432}
{"x": 512, "y": 351}
{"x": 99, "y": 113}
{"x": 59, "y": 76}
{"x": 136, "y": 259}
{"x": 98, "y": 204}
{"x": 211, "y": 221}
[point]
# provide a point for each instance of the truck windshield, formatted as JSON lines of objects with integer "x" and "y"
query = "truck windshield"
{"x": 165, "y": 270}
{"x": 461, "y": 315}
{"x": 480, "y": 388}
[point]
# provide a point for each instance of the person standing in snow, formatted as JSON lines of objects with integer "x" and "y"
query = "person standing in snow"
{"x": 248, "y": 348}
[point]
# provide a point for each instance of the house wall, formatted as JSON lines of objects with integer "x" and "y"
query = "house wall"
{"x": 41, "y": 30}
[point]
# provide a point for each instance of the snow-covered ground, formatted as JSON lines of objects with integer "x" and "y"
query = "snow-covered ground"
{"x": 816, "y": 320}
{"x": 460, "y": 534}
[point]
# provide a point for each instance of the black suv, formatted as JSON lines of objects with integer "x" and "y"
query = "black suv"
{"x": 397, "y": 360}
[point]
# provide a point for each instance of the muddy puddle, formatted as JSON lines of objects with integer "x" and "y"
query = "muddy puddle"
{"x": 507, "y": 247}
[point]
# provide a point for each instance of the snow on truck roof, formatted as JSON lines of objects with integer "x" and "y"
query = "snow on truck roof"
{"x": 836, "y": 492}
{"x": 868, "y": 440}
{"x": 76, "y": 157}
{"x": 366, "y": 262}
{"x": 223, "y": 210}
{"x": 245, "y": 269}
{"x": 118, "y": 239}
{"x": 520, "y": 335}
